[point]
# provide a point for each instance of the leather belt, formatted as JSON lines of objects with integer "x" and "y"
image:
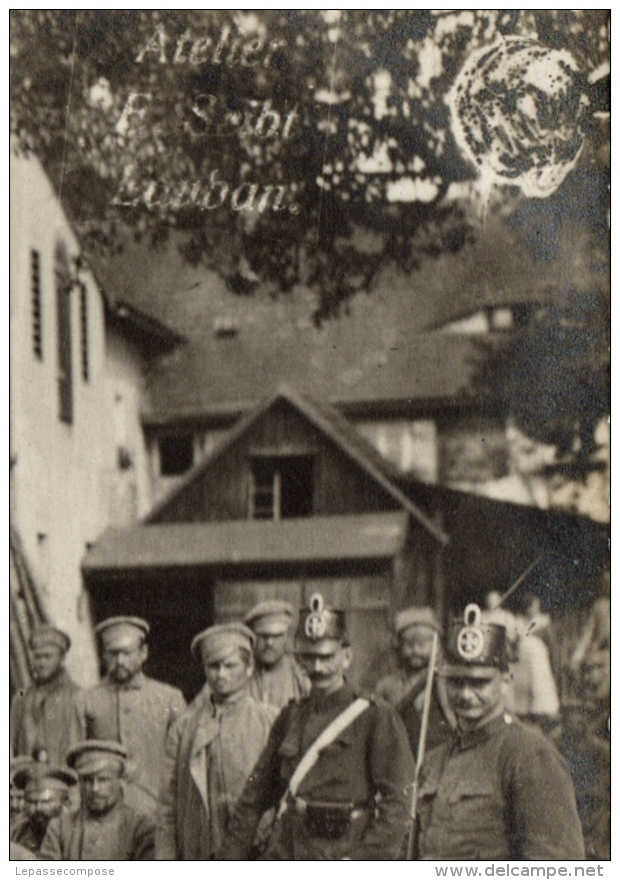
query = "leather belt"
{"x": 300, "y": 806}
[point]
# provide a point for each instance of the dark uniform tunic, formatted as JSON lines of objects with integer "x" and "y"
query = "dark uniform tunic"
{"x": 139, "y": 715}
{"x": 368, "y": 767}
{"x": 406, "y": 693}
{"x": 43, "y": 717}
{"x": 23, "y": 833}
{"x": 499, "y": 792}
{"x": 121, "y": 834}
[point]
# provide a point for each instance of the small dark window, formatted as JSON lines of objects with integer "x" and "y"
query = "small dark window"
{"x": 281, "y": 487}
{"x": 84, "y": 333}
{"x": 35, "y": 287}
{"x": 63, "y": 314}
{"x": 176, "y": 454}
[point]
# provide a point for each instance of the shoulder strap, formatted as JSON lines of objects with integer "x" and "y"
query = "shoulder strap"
{"x": 324, "y": 739}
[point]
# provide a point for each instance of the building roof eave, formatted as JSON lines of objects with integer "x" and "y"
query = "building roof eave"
{"x": 147, "y": 330}
{"x": 243, "y": 543}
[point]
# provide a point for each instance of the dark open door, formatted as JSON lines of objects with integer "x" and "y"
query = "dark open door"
{"x": 176, "y": 603}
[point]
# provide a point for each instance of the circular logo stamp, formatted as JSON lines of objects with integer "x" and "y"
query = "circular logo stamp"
{"x": 470, "y": 642}
{"x": 315, "y": 626}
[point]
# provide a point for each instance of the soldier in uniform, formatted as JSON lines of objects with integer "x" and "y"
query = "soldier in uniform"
{"x": 46, "y": 790}
{"x": 104, "y": 827}
{"x": 336, "y": 768}
{"x": 17, "y": 798}
{"x": 404, "y": 689}
{"x": 212, "y": 747}
{"x": 43, "y": 717}
{"x": 131, "y": 708}
{"x": 277, "y": 678}
{"x": 499, "y": 789}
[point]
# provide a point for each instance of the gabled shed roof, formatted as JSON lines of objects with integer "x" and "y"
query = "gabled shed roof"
{"x": 333, "y": 425}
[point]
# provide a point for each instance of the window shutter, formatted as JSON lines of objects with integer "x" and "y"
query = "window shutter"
{"x": 63, "y": 312}
{"x": 37, "y": 324}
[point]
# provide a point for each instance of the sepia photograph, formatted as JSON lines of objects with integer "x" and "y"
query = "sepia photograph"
{"x": 310, "y": 323}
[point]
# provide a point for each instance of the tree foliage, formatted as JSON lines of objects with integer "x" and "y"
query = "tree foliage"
{"x": 363, "y": 168}
{"x": 553, "y": 372}
{"x": 310, "y": 146}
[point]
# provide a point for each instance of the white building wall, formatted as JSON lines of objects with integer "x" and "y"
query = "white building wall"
{"x": 410, "y": 444}
{"x": 61, "y": 473}
{"x": 126, "y": 480}
{"x": 492, "y": 458}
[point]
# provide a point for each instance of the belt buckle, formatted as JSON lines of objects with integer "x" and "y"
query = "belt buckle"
{"x": 299, "y": 805}
{"x": 328, "y": 820}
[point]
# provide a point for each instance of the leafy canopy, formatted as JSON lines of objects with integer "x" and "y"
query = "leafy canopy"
{"x": 306, "y": 145}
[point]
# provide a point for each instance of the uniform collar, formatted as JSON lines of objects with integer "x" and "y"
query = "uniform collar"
{"x": 135, "y": 684}
{"x": 324, "y": 702}
{"x": 480, "y": 735}
{"x": 57, "y": 683}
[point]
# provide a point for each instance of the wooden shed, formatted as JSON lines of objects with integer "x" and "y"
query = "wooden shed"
{"x": 293, "y": 501}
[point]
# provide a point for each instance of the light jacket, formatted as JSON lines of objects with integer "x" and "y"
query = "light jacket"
{"x": 210, "y": 752}
{"x": 138, "y": 715}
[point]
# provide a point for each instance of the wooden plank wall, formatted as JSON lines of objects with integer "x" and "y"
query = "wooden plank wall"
{"x": 366, "y": 599}
{"x": 220, "y": 492}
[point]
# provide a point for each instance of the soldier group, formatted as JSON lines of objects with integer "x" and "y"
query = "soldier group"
{"x": 279, "y": 757}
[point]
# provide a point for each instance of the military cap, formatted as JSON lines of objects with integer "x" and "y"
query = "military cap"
{"x": 46, "y": 634}
{"x": 474, "y": 649}
{"x": 273, "y": 617}
{"x": 91, "y": 755}
{"x": 123, "y": 620}
{"x": 20, "y": 762}
{"x": 416, "y": 616}
{"x": 40, "y": 776}
{"x": 219, "y": 641}
{"x": 318, "y": 622}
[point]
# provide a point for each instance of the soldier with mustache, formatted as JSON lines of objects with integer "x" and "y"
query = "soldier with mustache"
{"x": 277, "y": 677}
{"x": 104, "y": 827}
{"x": 43, "y": 716}
{"x": 337, "y": 765}
{"x": 131, "y": 708}
{"x": 46, "y": 795}
{"x": 498, "y": 789}
{"x": 404, "y": 689}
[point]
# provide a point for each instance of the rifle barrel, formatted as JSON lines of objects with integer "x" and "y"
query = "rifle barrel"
{"x": 428, "y": 692}
{"x": 520, "y": 580}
